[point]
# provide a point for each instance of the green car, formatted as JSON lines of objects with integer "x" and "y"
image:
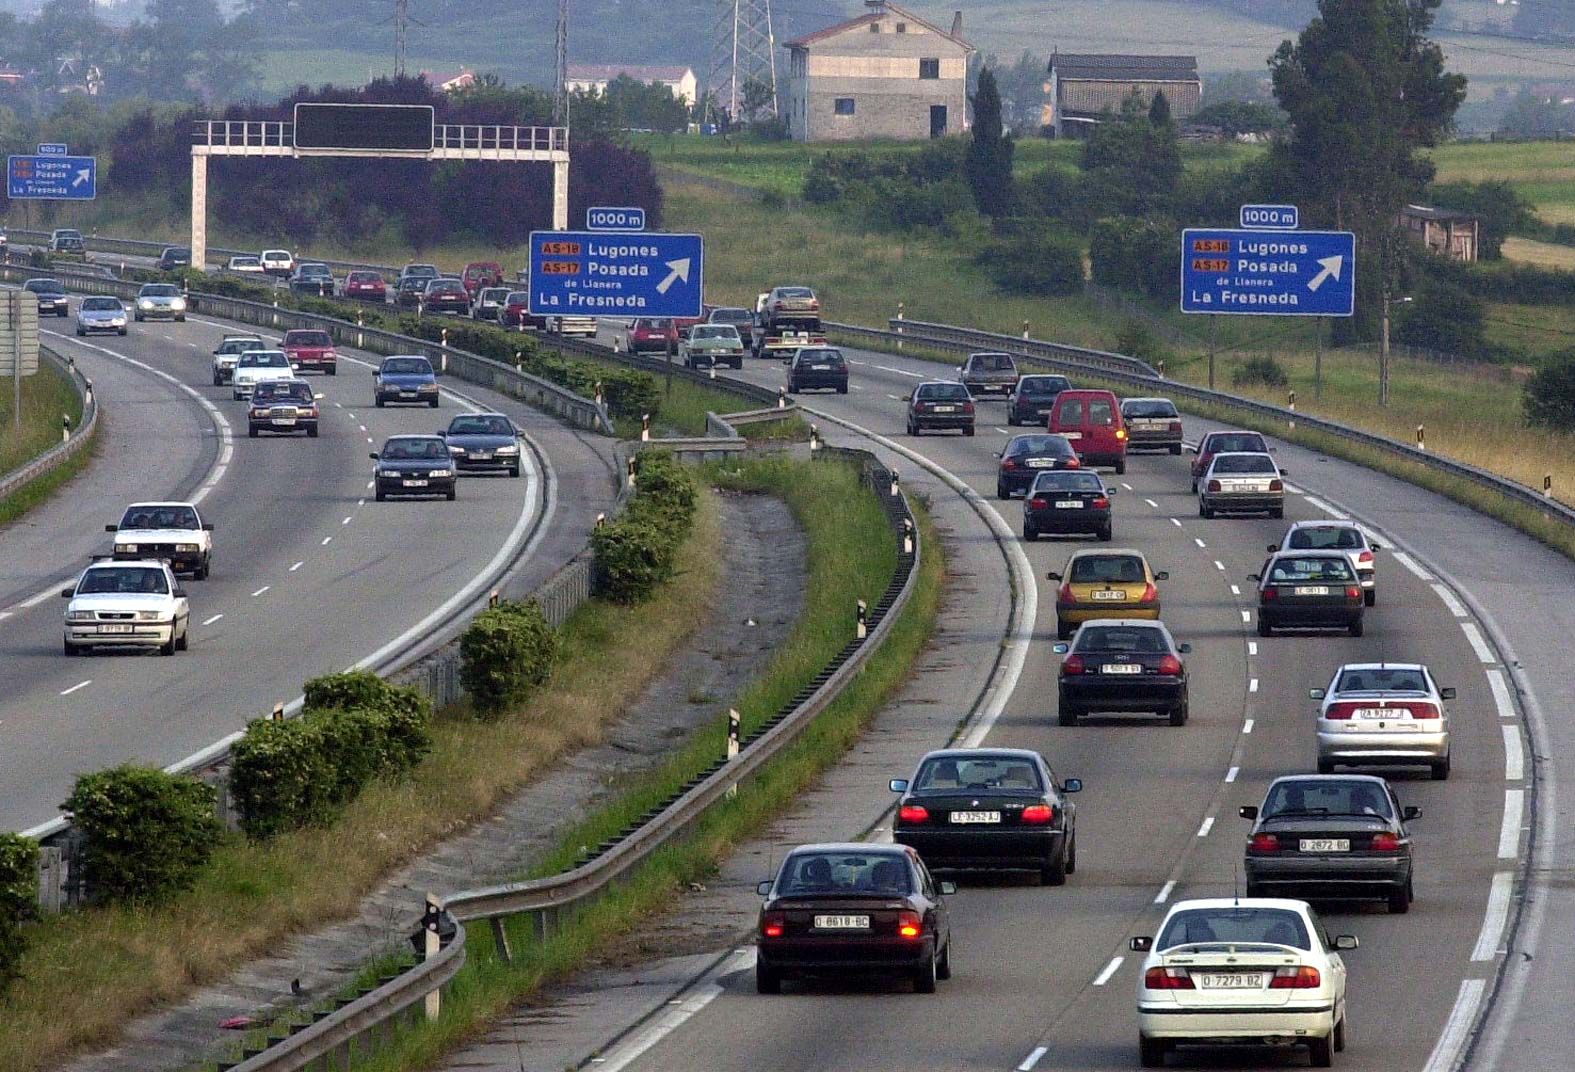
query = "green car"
{"x": 709, "y": 345}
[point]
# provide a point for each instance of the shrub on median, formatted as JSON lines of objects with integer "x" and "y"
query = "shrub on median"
{"x": 361, "y": 689}
{"x": 506, "y": 652}
{"x": 639, "y": 550}
{"x": 281, "y": 777}
{"x": 18, "y": 900}
{"x": 147, "y": 833}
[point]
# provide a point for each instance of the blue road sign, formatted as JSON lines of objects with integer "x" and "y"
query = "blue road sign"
{"x": 52, "y": 148}
{"x": 1275, "y": 217}
{"x": 614, "y": 219}
{"x": 1268, "y": 273}
{"x": 587, "y": 273}
{"x": 51, "y": 178}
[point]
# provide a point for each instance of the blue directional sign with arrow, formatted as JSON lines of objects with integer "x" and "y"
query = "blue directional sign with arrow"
{"x": 1268, "y": 272}
{"x": 51, "y": 177}
{"x": 587, "y": 273}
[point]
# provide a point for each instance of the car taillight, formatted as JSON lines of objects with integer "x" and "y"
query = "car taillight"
{"x": 1074, "y": 463}
{"x": 1065, "y": 594}
{"x": 1150, "y": 593}
{"x": 1038, "y": 814}
{"x": 1214, "y": 485}
{"x": 1385, "y": 842}
{"x": 1167, "y": 979}
{"x": 1304, "y": 977}
{"x": 967, "y": 407}
{"x": 773, "y": 924}
{"x": 1169, "y": 664}
{"x": 814, "y": 303}
{"x": 1101, "y": 503}
{"x": 913, "y": 813}
{"x": 1270, "y": 594}
{"x": 1263, "y": 843}
{"x": 1175, "y": 426}
{"x": 1353, "y": 591}
{"x": 1039, "y": 504}
{"x": 1365, "y": 556}
{"x": 1340, "y": 710}
{"x": 1276, "y": 485}
{"x": 1008, "y": 463}
{"x": 1072, "y": 664}
{"x": 909, "y": 925}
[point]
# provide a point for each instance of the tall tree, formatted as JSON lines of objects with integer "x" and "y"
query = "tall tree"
{"x": 1131, "y": 165}
{"x": 1159, "y": 109}
{"x": 1365, "y": 91}
{"x": 989, "y": 160}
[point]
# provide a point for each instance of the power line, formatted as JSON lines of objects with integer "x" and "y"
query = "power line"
{"x": 743, "y": 52}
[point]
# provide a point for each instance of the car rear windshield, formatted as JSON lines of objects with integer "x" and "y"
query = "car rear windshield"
{"x": 483, "y": 425}
{"x": 654, "y": 323}
{"x": 305, "y": 337}
{"x": 993, "y": 363}
{"x": 1095, "y": 569}
{"x": 1234, "y": 925}
{"x": 823, "y": 357}
{"x": 101, "y": 304}
{"x": 414, "y": 449}
{"x": 518, "y": 297}
{"x": 843, "y": 873}
{"x": 283, "y": 392}
{"x": 945, "y": 391}
{"x": 408, "y": 366}
{"x": 413, "y": 282}
{"x": 123, "y": 579}
{"x": 44, "y": 286}
{"x": 243, "y": 262}
{"x": 731, "y": 316}
{"x": 795, "y": 292}
{"x": 264, "y": 359}
{"x": 445, "y": 286}
{"x": 494, "y": 294}
{"x": 1381, "y": 679}
{"x": 1234, "y": 441}
{"x": 314, "y": 269}
{"x": 159, "y": 517}
{"x": 363, "y": 277}
{"x": 1042, "y": 385}
{"x": 1302, "y": 570}
{"x": 1326, "y": 538}
{"x": 427, "y": 270}
{"x": 1063, "y": 481}
{"x": 1054, "y": 445}
{"x": 1139, "y": 640}
{"x": 719, "y": 331}
{"x": 1244, "y": 463}
{"x": 159, "y": 290}
{"x": 1148, "y": 408}
{"x": 1326, "y": 796}
{"x": 178, "y": 251}
{"x": 978, "y": 772}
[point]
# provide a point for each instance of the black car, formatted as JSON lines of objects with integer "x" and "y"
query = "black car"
{"x": 284, "y": 407}
{"x": 989, "y": 809}
{"x": 939, "y": 404}
{"x": 446, "y": 296}
{"x": 313, "y": 278}
{"x": 51, "y": 296}
{"x": 410, "y": 291}
{"x": 484, "y": 442}
{"x": 414, "y": 465}
{"x": 1026, "y": 456}
{"x": 1330, "y": 835}
{"x": 1152, "y": 424}
{"x": 173, "y": 258}
{"x": 988, "y": 373}
{"x": 740, "y": 318}
{"x": 815, "y": 367}
{"x": 1068, "y": 502}
{"x": 851, "y": 910}
{"x": 1032, "y": 399}
{"x": 1120, "y": 664}
{"x": 1309, "y": 590}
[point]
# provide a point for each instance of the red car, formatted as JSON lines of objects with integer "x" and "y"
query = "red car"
{"x": 1092, "y": 421}
{"x": 309, "y": 348}
{"x": 478, "y": 274}
{"x": 684, "y": 323}
{"x": 1223, "y": 443}
{"x": 516, "y": 311}
{"x": 650, "y": 333}
{"x": 366, "y": 286}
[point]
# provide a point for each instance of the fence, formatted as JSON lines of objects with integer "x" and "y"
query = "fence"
{"x": 79, "y": 437}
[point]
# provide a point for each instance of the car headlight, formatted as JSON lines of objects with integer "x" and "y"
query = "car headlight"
{"x": 148, "y": 616}
{"x": 508, "y": 450}
{"x": 428, "y": 387}
{"x": 79, "y": 616}
{"x": 456, "y": 450}
{"x": 129, "y": 548}
{"x": 144, "y": 303}
{"x": 186, "y": 547}
{"x": 178, "y": 303}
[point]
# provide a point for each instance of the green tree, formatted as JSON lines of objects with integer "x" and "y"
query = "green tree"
{"x": 1131, "y": 165}
{"x": 989, "y": 160}
{"x": 1549, "y": 396}
{"x": 1500, "y": 207}
{"x": 1159, "y": 109}
{"x": 1446, "y": 319}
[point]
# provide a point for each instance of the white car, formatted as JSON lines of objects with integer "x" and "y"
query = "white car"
{"x": 160, "y": 301}
{"x": 171, "y": 532}
{"x": 277, "y": 261}
{"x": 1383, "y": 714}
{"x": 135, "y": 604}
{"x": 1338, "y": 535}
{"x": 255, "y": 366}
{"x": 1248, "y": 971}
{"x": 1242, "y": 482}
{"x": 228, "y": 355}
{"x": 245, "y": 263}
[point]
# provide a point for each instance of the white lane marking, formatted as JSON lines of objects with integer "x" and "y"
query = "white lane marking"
{"x": 1199, "y": 542}
{"x": 360, "y": 502}
{"x": 346, "y": 521}
{"x": 1246, "y": 727}
{"x": 1004, "y": 431}
{"x": 1478, "y": 645}
{"x": 1319, "y": 504}
{"x": 1496, "y": 916}
{"x": 297, "y": 566}
{"x": 4, "y": 614}
{"x": 1033, "y": 1059}
{"x": 855, "y": 386}
{"x": 1500, "y": 689}
{"x": 1252, "y": 647}
{"x": 1448, "y": 597}
{"x": 213, "y": 619}
{"x": 1165, "y": 891}
{"x": 1514, "y": 756}
{"x": 896, "y": 398}
{"x": 352, "y": 416}
{"x": 261, "y": 590}
{"x": 1208, "y": 824}
{"x": 1230, "y": 775}
{"x": 1252, "y": 686}
{"x": 74, "y": 688}
{"x": 369, "y": 485}
{"x": 363, "y": 427}
{"x": 1219, "y": 565}
{"x": 33, "y": 601}
{"x": 1509, "y": 833}
{"x": 1235, "y": 590}
{"x": 326, "y": 541}
{"x": 901, "y": 372}
{"x": 1410, "y": 563}
{"x": 1125, "y": 485}
{"x": 705, "y": 991}
{"x": 1152, "y": 503}
{"x": 1110, "y": 969}
{"x": 1246, "y": 617}
{"x": 1457, "y": 1029}
{"x": 340, "y": 405}
{"x": 1175, "y": 522}
{"x": 369, "y": 439}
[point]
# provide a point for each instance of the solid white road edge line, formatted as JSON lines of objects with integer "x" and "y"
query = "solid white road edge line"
{"x": 1033, "y": 1059}
{"x": 1496, "y": 917}
{"x": 1500, "y": 690}
{"x": 1409, "y": 563}
{"x": 1509, "y": 832}
{"x": 1478, "y": 645}
{"x": 1110, "y": 969}
{"x": 1318, "y": 504}
{"x": 707, "y": 990}
{"x": 1457, "y": 1028}
{"x": 1455, "y": 606}
{"x": 1514, "y": 758}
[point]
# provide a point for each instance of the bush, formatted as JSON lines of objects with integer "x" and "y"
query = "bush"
{"x": 1135, "y": 254}
{"x": 1260, "y": 371}
{"x": 506, "y": 652}
{"x": 1446, "y": 319}
{"x": 18, "y": 900}
{"x": 1035, "y": 264}
{"x": 1549, "y": 398}
{"x": 1137, "y": 339}
{"x": 147, "y": 833}
{"x": 362, "y": 690}
{"x": 638, "y": 551}
{"x": 282, "y": 777}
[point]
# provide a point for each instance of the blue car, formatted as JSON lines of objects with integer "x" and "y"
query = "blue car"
{"x": 405, "y": 379}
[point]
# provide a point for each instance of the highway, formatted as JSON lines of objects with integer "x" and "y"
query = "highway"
{"x": 1043, "y": 976}
{"x": 310, "y": 574}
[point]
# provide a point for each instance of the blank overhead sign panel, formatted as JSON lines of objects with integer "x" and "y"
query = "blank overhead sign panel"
{"x": 380, "y": 127}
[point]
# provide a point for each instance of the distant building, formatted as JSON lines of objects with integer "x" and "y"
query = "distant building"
{"x": 450, "y": 83}
{"x": 1444, "y": 231}
{"x": 1082, "y": 88}
{"x": 886, "y": 74}
{"x": 594, "y": 78}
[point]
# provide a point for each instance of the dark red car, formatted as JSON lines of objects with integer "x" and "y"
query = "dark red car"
{"x": 478, "y": 274}
{"x": 446, "y": 296}
{"x": 309, "y": 348}
{"x": 651, "y": 333}
{"x": 516, "y": 310}
{"x": 366, "y": 286}
{"x": 1224, "y": 443}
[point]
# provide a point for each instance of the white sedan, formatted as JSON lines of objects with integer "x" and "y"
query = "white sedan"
{"x": 1248, "y": 971}
{"x": 256, "y": 366}
{"x": 136, "y": 604}
{"x": 1337, "y": 535}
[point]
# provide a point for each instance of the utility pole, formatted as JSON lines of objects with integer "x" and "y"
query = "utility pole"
{"x": 1383, "y": 352}
{"x": 560, "y": 85}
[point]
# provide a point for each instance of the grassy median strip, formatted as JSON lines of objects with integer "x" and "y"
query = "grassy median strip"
{"x": 88, "y": 972}
{"x": 487, "y": 987}
{"x": 39, "y": 489}
{"x": 46, "y": 397}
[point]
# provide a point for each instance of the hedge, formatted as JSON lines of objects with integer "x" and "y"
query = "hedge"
{"x": 281, "y": 777}
{"x": 357, "y": 689}
{"x": 147, "y": 833}
{"x": 18, "y": 900}
{"x": 506, "y": 651}
{"x": 639, "y": 550}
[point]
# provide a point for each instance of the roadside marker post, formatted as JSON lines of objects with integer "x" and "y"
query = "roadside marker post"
{"x": 863, "y": 628}
{"x": 732, "y": 746}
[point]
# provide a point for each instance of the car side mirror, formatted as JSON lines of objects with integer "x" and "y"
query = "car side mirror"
{"x": 110, "y": 528}
{"x": 1254, "y": 577}
{"x": 763, "y": 887}
{"x": 1052, "y": 576}
{"x": 1446, "y": 694}
{"x": 1072, "y": 785}
{"x": 1141, "y": 944}
{"x": 1111, "y": 491}
{"x": 1272, "y": 548}
{"x": 1192, "y": 450}
{"x": 1162, "y": 575}
{"x": 1000, "y": 454}
{"x": 67, "y": 593}
{"x": 1316, "y": 694}
{"x": 948, "y": 887}
{"x": 1248, "y": 811}
{"x": 1061, "y": 648}
{"x": 1346, "y": 942}
{"x": 1185, "y": 649}
{"x": 898, "y": 785}
{"x": 1376, "y": 546}
{"x": 372, "y": 455}
{"x": 1284, "y": 471}
{"x": 207, "y": 526}
{"x": 1410, "y": 812}
{"x": 179, "y": 593}
{"x": 318, "y": 396}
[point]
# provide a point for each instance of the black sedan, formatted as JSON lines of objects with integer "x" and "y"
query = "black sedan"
{"x": 484, "y": 442}
{"x": 1117, "y": 664}
{"x": 815, "y": 367}
{"x": 989, "y": 809}
{"x": 1309, "y": 590}
{"x": 282, "y": 407}
{"x": 937, "y": 405}
{"x": 1026, "y": 456}
{"x": 410, "y": 291}
{"x": 1033, "y": 398}
{"x": 414, "y": 465}
{"x": 1067, "y": 501}
{"x": 1152, "y": 423}
{"x": 1330, "y": 835}
{"x": 843, "y": 910}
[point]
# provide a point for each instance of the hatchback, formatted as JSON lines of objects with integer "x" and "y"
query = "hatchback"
{"x": 51, "y": 296}
{"x": 1384, "y": 714}
{"x": 988, "y": 373}
{"x": 1092, "y": 421}
{"x": 1308, "y": 590}
{"x": 1105, "y": 584}
{"x": 1339, "y": 535}
{"x": 650, "y": 333}
{"x": 940, "y": 405}
{"x": 814, "y": 367}
{"x": 366, "y": 286}
{"x": 1031, "y": 400}
{"x": 1116, "y": 664}
{"x": 1068, "y": 502}
{"x": 1026, "y": 456}
{"x": 1152, "y": 423}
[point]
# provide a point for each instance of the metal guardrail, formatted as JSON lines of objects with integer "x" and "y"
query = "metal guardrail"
{"x": 975, "y": 339}
{"x": 134, "y": 247}
{"x": 62, "y": 452}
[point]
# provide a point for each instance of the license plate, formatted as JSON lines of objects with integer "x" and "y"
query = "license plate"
{"x": 842, "y": 923}
{"x": 415, "y": 483}
{"x": 407, "y": 394}
{"x": 283, "y": 421}
{"x": 1073, "y": 435}
{"x": 821, "y": 368}
{"x": 1148, "y": 422}
{"x": 1381, "y": 712}
{"x": 1069, "y": 504}
{"x": 976, "y": 816}
{"x": 1040, "y": 463}
{"x": 1045, "y": 412}
{"x": 1107, "y": 594}
{"x": 1228, "y": 980}
{"x": 1311, "y": 590}
{"x": 945, "y": 409}
{"x": 481, "y": 455}
{"x": 117, "y": 628}
{"x": 1121, "y": 668}
{"x": 1325, "y": 845}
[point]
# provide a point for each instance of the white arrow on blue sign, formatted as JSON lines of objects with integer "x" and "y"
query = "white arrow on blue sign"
{"x": 1268, "y": 273}
{"x": 51, "y": 178}
{"x": 586, "y": 273}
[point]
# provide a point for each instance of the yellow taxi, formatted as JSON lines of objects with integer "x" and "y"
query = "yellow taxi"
{"x": 1115, "y": 583}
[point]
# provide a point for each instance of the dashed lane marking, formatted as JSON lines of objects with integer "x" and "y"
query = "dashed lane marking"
{"x": 1208, "y": 824}
{"x": 1165, "y": 891}
{"x": 1252, "y": 686}
{"x": 326, "y": 541}
{"x": 1152, "y": 503}
{"x": 1199, "y": 542}
{"x": 1219, "y": 565}
{"x": 1500, "y": 690}
{"x": 297, "y": 566}
{"x": 1246, "y": 727}
{"x": 261, "y": 590}
{"x": 1230, "y": 775}
{"x": 901, "y": 372}
{"x": 1252, "y": 647}
{"x": 1033, "y": 1059}
{"x": 1176, "y": 522}
{"x": 210, "y": 621}
{"x": 1244, "y": 615}
{"x": 1235, "y": 590}
{"x": 74, "y": 688}
{"x": 1318, "y": 504}
{"x": 347, "y": 520}
{"x": 1509, "y": 833}
{"x": 1110, "y": 969}
{"x": 1514, "y": 756}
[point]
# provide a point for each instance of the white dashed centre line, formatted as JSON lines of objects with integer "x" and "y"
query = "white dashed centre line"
{"x": 261, "y": 590}
{"x": 297, "y": 566}
{"x": 1449, "y": 600}
{"x": 1235, "y": 590}
{"x": 1230, "y": 775}
{"x": 1004, "y": 431}
{"x": 363, "y": 428}
{"x": 1032, "y": 1059}
{"x": 1176, "y": 522}
{"x": 1244, "y": 615}
{"x": 896, "y": 398}
{"x": 213, "y": 619}
{"x": 74, "y": 688}
{"x": 369, "y": 485}
{"x": 1478, "y": 645}
{"x": 1246, "y": 727}
{"x": 855, "y": 386}
{"x": 1199, "y": 542}
{"x": 1252, "y": 647}
{"x": 360, "y": 502}
{"x": 1164, "y": 892}
{"x": 1514, "y": 758}
{"x": 346, "y": 521}
{"x": 1509, "y": 833}
{"x": 1252, "y": 686}
{"x": 1124, "y": 484}
{"x": 326, "y": 541}
{"x": 1219, "y": 565}
{"x": 1152, "y": 503}
{"x": 1208, "y": 824}
{"x": 1110, "y": 969}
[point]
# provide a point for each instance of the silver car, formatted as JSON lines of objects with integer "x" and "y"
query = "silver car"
{"x": 1242, "y": 482}
{"x": 99, "y": 313}
{"x": 156, "y": 301}
{"x": 1383, "y": 714}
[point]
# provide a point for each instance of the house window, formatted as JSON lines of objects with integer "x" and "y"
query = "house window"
{"x": 902, "y": 27}
{"x": 843, "y": 106}
{"x": 874, "y": 27}
{"x": 930, "y": 68}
